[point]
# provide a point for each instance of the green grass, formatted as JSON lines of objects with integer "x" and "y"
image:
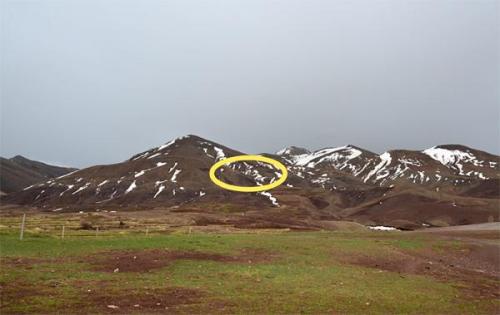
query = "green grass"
{"x": 306, "y": 277}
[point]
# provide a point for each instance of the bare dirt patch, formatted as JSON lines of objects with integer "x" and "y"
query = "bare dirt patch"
{"x": 14, "y": 291}
{"x": 22, "y": 262}
{"x": 164, "y": 300}
{"x": 473, "y": 266}
{"x": 472, "y": 232}
{"x": 147, "y": 260}
{"x": 103, "y": 296}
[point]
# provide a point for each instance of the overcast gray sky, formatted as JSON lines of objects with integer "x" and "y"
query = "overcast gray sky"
{"x": 94, "y": 82}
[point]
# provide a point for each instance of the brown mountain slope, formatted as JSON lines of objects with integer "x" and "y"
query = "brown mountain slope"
{"x": 486, "y": 189}
{"x": 410, "y": 208}
{"x": 447, "y": 167}
{"x": 439, "y": 186}
{"x": 173, "y": 174}
{"x": 19, "y": 172}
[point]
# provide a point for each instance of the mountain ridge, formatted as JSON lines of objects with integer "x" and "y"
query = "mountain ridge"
{"x": 19, "y": 172}
{"x": 328, "y": 183}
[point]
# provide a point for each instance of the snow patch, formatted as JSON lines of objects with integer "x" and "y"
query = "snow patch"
{"x": 154, "y": 155}
{"x": 166, "y": 145}
{"x": 453, "y": 158}
{"x": 141, "y": 156}
{"x": 292, "y": 158}
{"x": 340, "y": 154}
{"x": 173, "y": 167}
{"x": 71, "y": 173}
{"x": 81, "y": 188}
{"x": 385, "y": 160}
{"x": 131, "y": 187}
{"x": 162, "y": 187}
{"x": 41, "y": 193}
{"x": 220, "y": 153}
{"x": 29, "y": 187}
{"x": 139, "y": 173}
{"x": 174, "y": 177}
{"x": 382, "y": 228}
{"x": 69, "y": 188}
{"x": 103, "y": 183}
{"x": 273, "y": 199}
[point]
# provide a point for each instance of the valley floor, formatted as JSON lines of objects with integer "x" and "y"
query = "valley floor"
{"x": 227, "y": 270}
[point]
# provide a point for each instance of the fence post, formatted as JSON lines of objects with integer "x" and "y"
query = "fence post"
{"x": 147, "y": 230}
{"x": 62, "y": 232}
{"x": 96, "y": 231}
{"x": 21, "y": 235}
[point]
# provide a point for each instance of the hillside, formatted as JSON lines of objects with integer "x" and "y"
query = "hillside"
{"x": 443, "y": 185}
{"x": 19, "y": 172}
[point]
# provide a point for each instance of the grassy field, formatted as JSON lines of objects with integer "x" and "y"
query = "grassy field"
{"x": 245, "y": 272}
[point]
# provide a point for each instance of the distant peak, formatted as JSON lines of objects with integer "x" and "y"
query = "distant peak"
{"x": 351, "y": 146}
{"x": 178, "y": 140}
{"x": 194, "y": 140}
{"x": 365, "y": 151}
{"x": 293, "y": 150}
{"x": 18, "y": 157}
{"x": 453, "y": 147}
{"x": 189, "y": 138}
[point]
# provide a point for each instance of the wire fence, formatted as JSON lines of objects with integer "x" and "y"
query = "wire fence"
{"x": 81, "y": 227}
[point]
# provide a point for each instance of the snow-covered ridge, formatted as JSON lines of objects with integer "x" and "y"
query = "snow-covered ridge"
{"x": 412, "y": 166}
{"x": 169, "y": 170}
{"x": 293, "y": 154}
{"x": 283, "y": 151}
{"x": 457, "y": 159}
{"x": 452, "y": 157}
{"x": 338, "y": 154}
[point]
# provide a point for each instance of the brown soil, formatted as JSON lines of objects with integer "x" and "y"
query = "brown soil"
{"x": 25, "y": 262}
{"x": 147, "y": 260}
{"x": 157, "y": 300}
{"x": 476, "y": 233}
{"x": 102, "y": 296}
{"x": 412, "y": 208}
{"x": 475, "y": 267}
{"x": 14, "y": 291}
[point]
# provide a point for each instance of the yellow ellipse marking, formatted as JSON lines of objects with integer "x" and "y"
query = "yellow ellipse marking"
{"x": 278, "y": 165}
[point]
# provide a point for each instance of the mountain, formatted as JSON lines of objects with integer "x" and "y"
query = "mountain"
{"x": 173, "y": 174}
{"x": 448, "y": 167}
{"x": 447, "y": 184}
{"x": 19, "y": 172}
